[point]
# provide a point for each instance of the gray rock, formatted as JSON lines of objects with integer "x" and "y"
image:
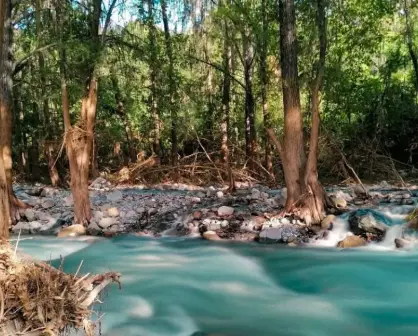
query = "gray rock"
{"x": 284, "y": 234}
{"x": 152, "y": 211}
{"x": 68, "y": 201}
{"x": 363, "y": 221}
{"x": 150, "y": 203}
{"x": 130, "y": 214}
{"x": 47, "y": 204}
{"x": 220, "y": 194}
{"x": 140, "y": 210}
{"x": 255, "y": 194}
{"x": 402, "y": 243}
{"x": 201, "y": 194}
{"x": 114, "y": 196}
{"x": 225, "y": 211}
{"x": 52, "y": 227}
{"x": 93, "y": 228}
{"x": 98, "y": 215}
{"x": 106, "y": 222}
{"x": 30, "y": 215}
{"x": 35, "y": 227}
{"x": 22, "y": 227}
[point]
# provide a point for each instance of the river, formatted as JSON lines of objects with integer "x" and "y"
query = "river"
{"x": 183, "y": 286}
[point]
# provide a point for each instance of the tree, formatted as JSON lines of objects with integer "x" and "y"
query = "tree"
{"x": 79, "y": 138}
{"x": 172, "y": 84}
{"x": 5, "y": 10}
{"x": 305, "y": 195}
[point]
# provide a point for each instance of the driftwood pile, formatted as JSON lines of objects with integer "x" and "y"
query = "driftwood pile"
{"x": 39, "y": 300}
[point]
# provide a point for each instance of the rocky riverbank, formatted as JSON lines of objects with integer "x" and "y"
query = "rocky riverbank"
{"x": 211, "y": 213}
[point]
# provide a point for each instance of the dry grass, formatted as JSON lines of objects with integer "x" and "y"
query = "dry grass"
{"x": 37, "y": 299}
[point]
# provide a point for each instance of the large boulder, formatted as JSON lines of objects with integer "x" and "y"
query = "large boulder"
{"x": 364, "y": 221}
{"x": 352, "y": 241}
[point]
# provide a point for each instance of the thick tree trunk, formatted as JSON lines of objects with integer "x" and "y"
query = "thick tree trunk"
{"x": 6, "y": 84}
{"x": 172, "y": 85}
{"x": 294, "y": 157}
{"x": 5, "y": 219}
{"x": 305, "y": 195}
{"x": 226, "y": 99}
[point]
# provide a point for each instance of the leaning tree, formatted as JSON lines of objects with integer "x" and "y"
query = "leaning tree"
{"x": 305, "y": 194}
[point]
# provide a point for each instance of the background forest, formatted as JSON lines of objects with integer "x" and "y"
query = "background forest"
{"x": 189, "y": 83}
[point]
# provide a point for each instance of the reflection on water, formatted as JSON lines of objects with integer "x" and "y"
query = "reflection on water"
{"x": 183, "y": 287}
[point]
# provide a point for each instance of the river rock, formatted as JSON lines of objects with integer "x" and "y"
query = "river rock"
{"x": 402, "y": 243}
{"x": 364, "y": 221}
{"x": 211, "y": 235}
{"x": 130, "y": 214}
{"x": 47, "y": 204}
{"x": 113, "y": 212}
{"x": 72, "y": 231}
{"x": 30, "y": 215}
{"x": 225, "y": 211}
{"x": 220, "y": 194}
{"x": 114, "y": 196}
{"x": 352, "y": 241}
{"x": 68, "y": 201}
{"x": 53, "y": 226}
{"x": 255, "y": 194}
{"x": 283, "y": 234}
{"x": 93, "y": 228}
{"x": 339, "y": 203}
{"x": 22, "y": 227}
{"x": 327, "y": 222}
{"x": 106, "y": 222}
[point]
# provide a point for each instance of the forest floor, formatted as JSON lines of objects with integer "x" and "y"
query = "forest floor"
{"x": 207, "y": 212}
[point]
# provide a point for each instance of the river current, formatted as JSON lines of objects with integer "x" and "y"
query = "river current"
{"x": 184, "y": 286}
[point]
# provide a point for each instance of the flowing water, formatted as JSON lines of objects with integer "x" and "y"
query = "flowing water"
{"x": 183, "y": 286}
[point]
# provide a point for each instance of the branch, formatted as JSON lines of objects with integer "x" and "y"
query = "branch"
{"x": 219, "y": 68}
{"x": 107, "y": 21}
{"x": 24, "y": 61}
{"x": 276, "y": 143}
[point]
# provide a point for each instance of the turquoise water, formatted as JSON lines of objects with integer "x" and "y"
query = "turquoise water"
{"x": 181, "y": 286}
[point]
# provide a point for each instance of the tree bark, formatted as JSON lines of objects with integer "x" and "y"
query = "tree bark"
{"x": 410, "y": 41}
{"x": 268, "y": 159}
{"x": 226, "y": 99}
{"x": 250, "y": 132}
{"x": 153, "y": 71}
{"x": 5, "y": 218}
{"x": 49, "y": 131}
{"x": 172, "y": 85}
{"x": 6, "y": 84}
{"x": 305, "y": 195}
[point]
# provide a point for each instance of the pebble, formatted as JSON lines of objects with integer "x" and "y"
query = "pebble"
{"x": 113, "y": 212}
{"x": 225, "y": 211}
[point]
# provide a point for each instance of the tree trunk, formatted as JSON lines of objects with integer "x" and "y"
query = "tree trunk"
{"x": 294, "y": 157}
{"x": 268, "y": 159}
{"x": 49, "y": 131}
{"x": 410, "y": 41}
{"x": 226, "y": 99}
{"x": 172, "y": 85}
{"x": 153, "y": 69}
{"x": 6, "y": 84}
{"x": 250, "y": 133}
{"x": 5, "y": 218}
{"x": 305, "y": 195}
{"x": 316, "y": 200}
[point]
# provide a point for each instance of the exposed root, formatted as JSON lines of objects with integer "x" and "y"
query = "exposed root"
{"x": 37, "y": 299}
